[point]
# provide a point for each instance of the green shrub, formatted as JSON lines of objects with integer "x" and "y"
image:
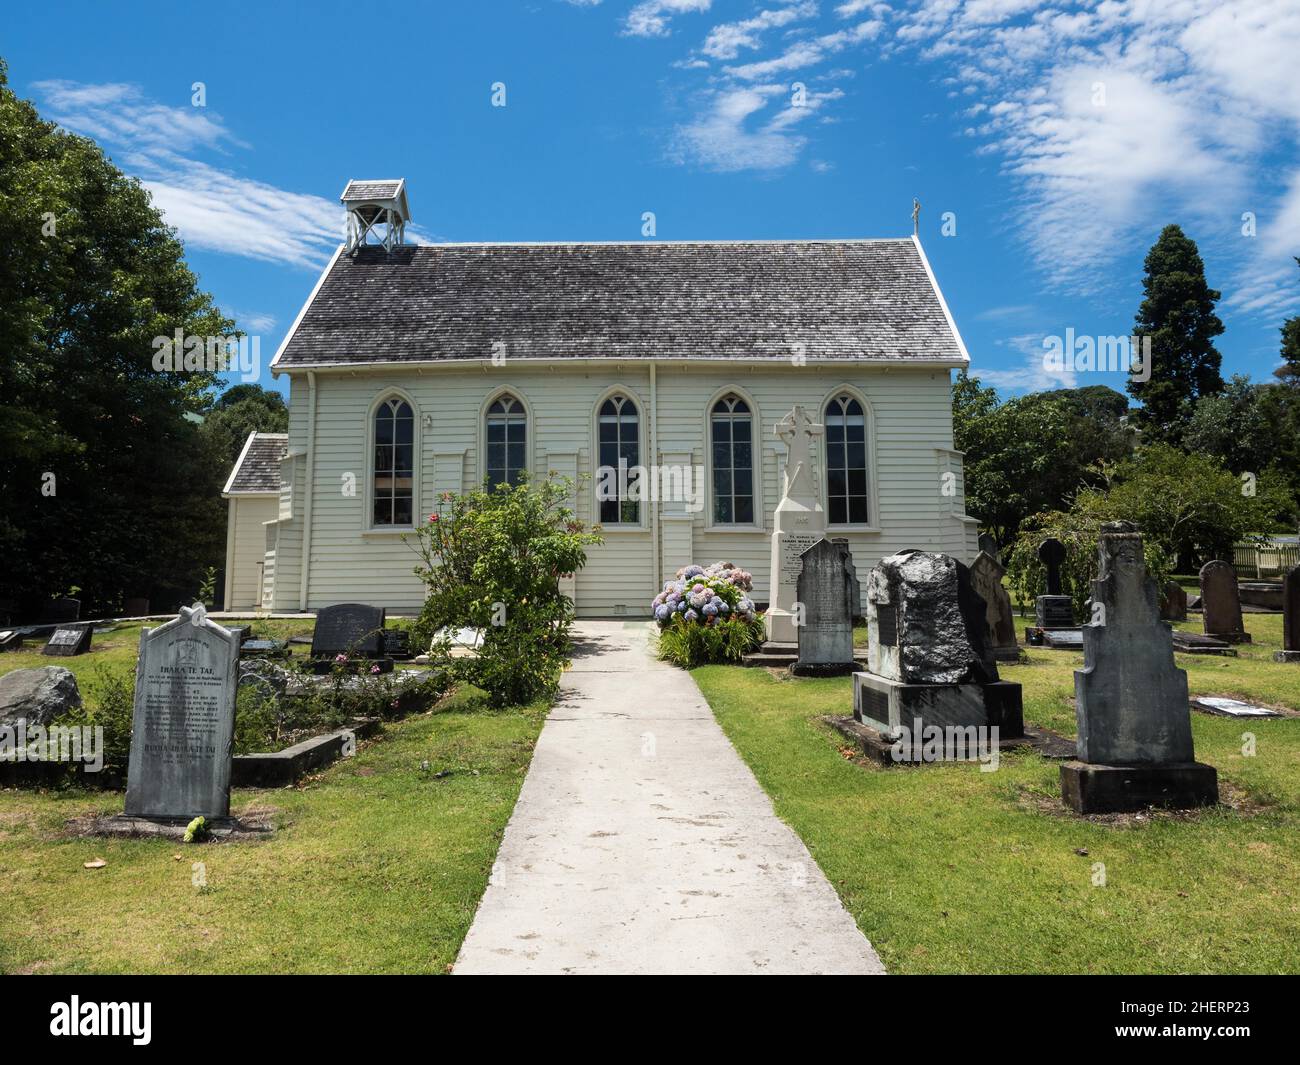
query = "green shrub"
{"x": 688, "y": 645}
{"x": 493, "y": 561}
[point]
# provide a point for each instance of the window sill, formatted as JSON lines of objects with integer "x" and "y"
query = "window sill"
{"x": 396, "y": 530}
{"x": 734, "y": 529}
{"x": 869, "y": 529}
{"x": 623, "y": 528}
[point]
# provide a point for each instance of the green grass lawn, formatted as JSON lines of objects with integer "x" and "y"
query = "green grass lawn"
{"x": 376, "y": 866}
{"x": 948, "y": 869}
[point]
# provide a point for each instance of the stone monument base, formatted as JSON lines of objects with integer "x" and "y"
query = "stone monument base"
{"x": 1230, "y": 637}
{"x": 889, "y": 705}
{"x": 1106, "y": 789}
{"x": 132, "y": 827}
{"x": 1054, "y": 612}
{"x": 1286, "y": 656}
{"x": 825, "y": 669}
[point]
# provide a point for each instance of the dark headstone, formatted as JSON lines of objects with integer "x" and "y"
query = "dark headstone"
{"x": 57, "y": 611}
{"x": 270, "y": 648}
{"x": 242, "y": 633}
{"x": 1173, "y": 602}
{"x": 182, "y": 731}
{"x": 989, "y": 546}
{"x": 939, "y": 618}
{"x": 986, "y": 574}
{"x": 823, "y": 591}
{"x": 37, "y": 696}
{"x": 1054, "y": 612}
{"x": 397, "y": 643}
{"x": 1051, "y": 553}
{"x": 853, "y": 586}
{"x": 69, "y": 640}
{"x": 11, "y": 640}
{"x": 1130, "y": 698}
{"x": 1291, "y": 611}
{"x": 136, "y": 608}
{"x": 352, "y": 629}
{"x": 1221, "y": 603}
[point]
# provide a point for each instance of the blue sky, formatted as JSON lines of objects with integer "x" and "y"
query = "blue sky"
{"x": 1061, "y": 135}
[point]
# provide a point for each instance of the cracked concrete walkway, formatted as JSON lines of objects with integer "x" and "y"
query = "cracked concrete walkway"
{"x": 641, "y": 842}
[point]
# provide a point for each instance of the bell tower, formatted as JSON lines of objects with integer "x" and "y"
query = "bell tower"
{"x": 377, "y": 213}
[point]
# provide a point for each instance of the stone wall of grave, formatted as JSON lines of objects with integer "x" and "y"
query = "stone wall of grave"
{"x": 910, "y": 446}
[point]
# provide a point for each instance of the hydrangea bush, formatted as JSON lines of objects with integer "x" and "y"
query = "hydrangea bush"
{"x": 706, "y": 615}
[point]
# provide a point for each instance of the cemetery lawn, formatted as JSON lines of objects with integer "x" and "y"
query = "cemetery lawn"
{"x": 376, "y": 866}
{"x": 948, "y": 869}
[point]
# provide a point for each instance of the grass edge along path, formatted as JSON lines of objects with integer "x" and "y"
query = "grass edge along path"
{"x": 947, "y": 869}
{"x": 377, "y": 865}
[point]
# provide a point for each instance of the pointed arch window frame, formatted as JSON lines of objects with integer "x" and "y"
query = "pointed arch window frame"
{"x": 485, "y": 411}
{"x": 629, "y": 395}
{"x": 872, "y": 524}
{"x": 368, "y": 523}
{"x": 756, "y": 463}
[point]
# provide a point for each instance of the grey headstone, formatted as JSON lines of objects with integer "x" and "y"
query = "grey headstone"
{"x": 183, "y": 728}
{"x": 37, "y": 696}
{"x": 986, "y": 574}
{"x": 1051, "y": 553}
{"x": 353, "y": 629}
{"x": 1131, "y": 700}
{"x": 1054, "y": 612}
{"x": 925, "y": 602}
{"x": 69, "y": 640}
{"x": 826, "y": 635}
{"x": 1291, "y": 611}
{"x": 1173, "y": 602}
{"x": 854, "y": 586}
{"x": 1220, "y": 602}
{"x": 136, "y": 608}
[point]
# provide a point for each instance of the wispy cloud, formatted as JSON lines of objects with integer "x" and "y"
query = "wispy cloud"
{"x": 741, "y": 130}
{"x": 1033, "y": 374}
{"x": 212, "y": 208}
{"x": 726, "y": 40}
{"x": 805, "y": 54}
{"x": 650, "y": 18}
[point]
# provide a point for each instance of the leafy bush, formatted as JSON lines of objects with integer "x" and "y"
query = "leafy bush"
{"x": 705, "y": 615}
{"x": 493, "y": 560}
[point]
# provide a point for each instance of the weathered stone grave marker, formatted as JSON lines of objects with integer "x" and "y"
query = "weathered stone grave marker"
{"x": 58, "y": 611}
{"x": 1290, "y": 618}
{"x": 1224, "y": 707}
{"x": 352, "y": 629}
{"x": 986, "y": 574}
{"x": 1173, "y": 602}
{"x": 183, "y": 728}
{"x": 826, "y": 632}
{"x": 1221, "y": 603}
{"x": 1135, "y": 731}
{"x": 1052, "y": 610}
{"x": 69, "y": 640}
{"x": 797, "y": 523}
{"x": 853, "y": 586}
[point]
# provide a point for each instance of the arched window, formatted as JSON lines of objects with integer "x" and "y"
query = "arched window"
{"x": 619, "y": 440}
{"x": 732, "y": 432}
{"x": 394, "y": 463}
{"x": 846, "y": 461}
{"x": 507, "y": 441}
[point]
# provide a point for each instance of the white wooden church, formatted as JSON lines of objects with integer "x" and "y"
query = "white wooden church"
{"x": 419, "y": 370}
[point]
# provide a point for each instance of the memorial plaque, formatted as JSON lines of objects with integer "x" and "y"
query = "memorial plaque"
{"x": 69, "y": 640}
{"x": 352, "y": 629}
{"x": 887, "y": 624}
{"x": 183, "y": 727}
{"x": 826, "y": 635}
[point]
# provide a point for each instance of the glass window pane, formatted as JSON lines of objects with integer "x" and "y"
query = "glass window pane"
{"x": 496, "y": 430}
{"x": 405, "y": 430}
{"x": 402, "y": 510}
{"x": 496, "y": 456}
{"x": 744, "y": 452}
{"x": 837, "y": 510}
{"x": 857, "y": 482}
{"x": 722, "y": 510}
{"x": 722, "y": 482}
{"x": 858, "y": 509}
{"x": 857, "y": 456}
{"x": 630, "y": 512}
{"x": 744, "y": 483}
{"x": 744, "y": 510}
{"x": 515, "y": 456}
{"x": 836, "y": 482}
{"x": 383, "y": 428}
{"x": 383, "y": 511}
{"x": 515, "y": 429}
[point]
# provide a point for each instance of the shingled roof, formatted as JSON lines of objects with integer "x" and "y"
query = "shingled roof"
{"x": 257, "y": 470}
{"x": 858, "y": 300}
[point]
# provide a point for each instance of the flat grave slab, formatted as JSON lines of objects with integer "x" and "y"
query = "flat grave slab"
{"x": 69, "y": 640}
{"x": 1190, "y": 643}
{"x": 1222, "y": 706}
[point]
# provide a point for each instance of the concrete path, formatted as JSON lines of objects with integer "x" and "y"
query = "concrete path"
{"x": 641, "y": 842}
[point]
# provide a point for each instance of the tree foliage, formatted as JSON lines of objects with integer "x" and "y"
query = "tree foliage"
{"x": 1177, "y": 314}
{"x": 108, "y": 486}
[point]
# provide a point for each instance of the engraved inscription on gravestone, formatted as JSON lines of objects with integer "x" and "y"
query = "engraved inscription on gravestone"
{"x": 69, "y": 640}
{"x": 183, "y": 727}
{"x": 793, "y": 545}
{"x": 826, "y": 634}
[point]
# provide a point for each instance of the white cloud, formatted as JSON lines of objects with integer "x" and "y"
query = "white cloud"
{"x": 650, "y": 18}
{"x": 738, "y": 132}
{"x": 726, "y": 40}
{"x": 804, "y": 54}
{"x": 1033, "y": 374}
{"x": 212, "y": 208}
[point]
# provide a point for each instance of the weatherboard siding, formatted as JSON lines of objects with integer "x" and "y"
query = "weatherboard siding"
{"x": 911, "y": 410}
{"x": 248, "y": 535}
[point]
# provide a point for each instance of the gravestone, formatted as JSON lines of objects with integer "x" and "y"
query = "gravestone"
{"x": 136, "y": 608}
{"x": 1173, "y": 602}
{"x": 1222, "y": 706}
{"x": 11, "y": 640}
{"x": 352, "y": 629}
{"x": 69, "y": 640}
{"x": 797, "y": 523}
{"x": 826, "y": 632}
{"x": 853, "y": 585}
{"x": 397, "y": 643}
{"x": 1135, "y": 731}
{"x": 989, "y": 546}
{"x": 929, "y": 661}
{"x": 1052, "y": 610}
{"x": 1290, "y": 618}
{"x": 57, "y": 611}
{"x": 986, "y": 574}
{"x": 1221, "y": 603}
{"x": 182, "y": 731}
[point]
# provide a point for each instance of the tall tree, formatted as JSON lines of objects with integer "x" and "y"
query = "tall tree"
{"x": 108, "y": 486}
{"x": 1289, "y": 371}
{"x": 1177, "y": 313}
{"x": 240, "y": 410}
